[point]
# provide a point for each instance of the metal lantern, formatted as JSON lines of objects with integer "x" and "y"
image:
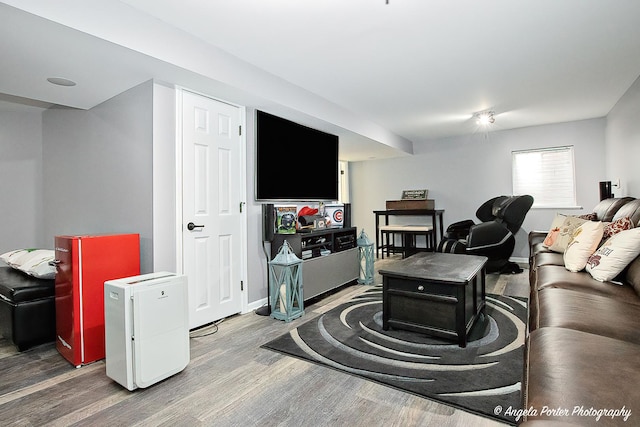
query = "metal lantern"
{"x": 285, "y": 285}
{"x": 365, "y": 256}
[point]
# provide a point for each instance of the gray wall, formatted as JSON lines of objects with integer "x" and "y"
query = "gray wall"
{"x": 98, "y": 174}
{"x": 98, "y": 169}
{"x": 462, "y": 173}
{"x": 623, "y": 143}
{"x": 165, "y": 227}
{"x": 21, "y": 177}
{"x": 257, "y": 262}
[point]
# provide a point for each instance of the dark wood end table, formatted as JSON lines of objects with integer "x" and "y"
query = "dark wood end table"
{"x": 434, "y": 293}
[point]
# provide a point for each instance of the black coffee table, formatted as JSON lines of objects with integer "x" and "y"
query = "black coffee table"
{"x": 434, "y": 293}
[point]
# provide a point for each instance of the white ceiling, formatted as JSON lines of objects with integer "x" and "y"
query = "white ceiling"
{"x": 381, "y": 75}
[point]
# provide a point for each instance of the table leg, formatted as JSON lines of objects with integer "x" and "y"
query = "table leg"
{"x": 378, "y": 235}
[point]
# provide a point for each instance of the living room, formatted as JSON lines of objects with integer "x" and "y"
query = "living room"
{"x": 460, "y": 171}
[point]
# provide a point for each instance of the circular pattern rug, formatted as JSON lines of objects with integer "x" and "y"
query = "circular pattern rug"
{"x": 484, "y": 378}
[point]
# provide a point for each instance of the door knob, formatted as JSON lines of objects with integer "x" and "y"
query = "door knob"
{"x": 191, "y": 226}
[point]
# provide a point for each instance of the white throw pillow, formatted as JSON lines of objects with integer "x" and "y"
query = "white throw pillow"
{"x": 565, "y": 233}
{"x": 11, "y": 256}
{"x": 584, "y": 242}
{"x": 614, "y": 255}
{"x": 34, "y": 262}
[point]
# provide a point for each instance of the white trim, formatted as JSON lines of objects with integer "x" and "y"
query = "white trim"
{"x": 519, "y": 260}
{"x": 255, "y": 305}
{"x": 179, "y": 180}
{"x": 80, "y": 298}
{"x": 245, "y": 206}
{"x": 558, "y": 207}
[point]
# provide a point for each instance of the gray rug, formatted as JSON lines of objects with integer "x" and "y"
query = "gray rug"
{"x": 484, "y": 378}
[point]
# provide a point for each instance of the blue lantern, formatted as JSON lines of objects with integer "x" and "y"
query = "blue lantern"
{"x": 285, "y": 285}
{"x": 365, "y": 257}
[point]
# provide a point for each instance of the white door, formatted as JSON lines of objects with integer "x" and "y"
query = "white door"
{"x": 211, "y": 207}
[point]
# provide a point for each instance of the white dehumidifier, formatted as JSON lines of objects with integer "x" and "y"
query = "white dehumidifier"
{"x": 146, "y": 328}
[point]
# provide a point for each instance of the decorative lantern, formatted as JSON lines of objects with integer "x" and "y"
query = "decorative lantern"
{"x": 285, "y": 285}
{"x": 365, "y": 256}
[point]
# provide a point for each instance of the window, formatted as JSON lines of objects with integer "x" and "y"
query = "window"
{"x": 547, "y": 175}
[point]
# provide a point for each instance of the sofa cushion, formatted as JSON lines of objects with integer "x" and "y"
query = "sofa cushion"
{"x": 630, "y": 210}
{"x": 536, "y": 236}
{"x": 538, "y": 248}
{"x": 548, "y": 258}
{"x": 584, "y": 242}
{"x": 632, "y": 276}
{"x": 607, "y": 208}
{"x": 570, "y": 369}
{"x": 614, "y": 255}
{"x": 587, "y": 312}
{"x": 554, "y": 276}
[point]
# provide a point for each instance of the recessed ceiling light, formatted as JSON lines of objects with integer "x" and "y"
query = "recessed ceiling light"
{"x": 61, "y": 81}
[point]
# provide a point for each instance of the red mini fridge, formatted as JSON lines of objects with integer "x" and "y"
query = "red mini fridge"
{"x": 83, "y": 264}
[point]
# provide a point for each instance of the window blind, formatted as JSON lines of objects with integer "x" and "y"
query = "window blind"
{"x": 547, "y": 175}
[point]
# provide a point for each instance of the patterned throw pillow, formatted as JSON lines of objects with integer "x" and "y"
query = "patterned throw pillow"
{"x": 614, "y": 255}
{"x": 552, "y": 235}
{"x": 616, "y": 226}
{"x": 566, "y": 233}
{"x": 589, "y": 217}
{"x": 584, "y": 242}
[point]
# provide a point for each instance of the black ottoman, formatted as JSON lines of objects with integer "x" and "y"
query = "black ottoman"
{"x": 27, "y": 308}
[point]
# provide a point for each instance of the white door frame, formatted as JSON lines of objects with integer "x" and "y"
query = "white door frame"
{"x": 243, "y": 188}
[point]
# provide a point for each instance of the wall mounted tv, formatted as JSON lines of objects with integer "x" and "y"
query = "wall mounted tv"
{"x": 294, "y": 162}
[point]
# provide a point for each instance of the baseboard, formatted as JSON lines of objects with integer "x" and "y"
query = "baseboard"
{"x": 255, "y": 305}
{"x": 519, "y": 260}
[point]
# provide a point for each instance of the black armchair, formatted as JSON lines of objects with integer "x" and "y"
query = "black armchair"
{"x": 494, "y": 237}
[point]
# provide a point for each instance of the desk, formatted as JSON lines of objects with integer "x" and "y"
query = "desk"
{"x": 436, "y": 222}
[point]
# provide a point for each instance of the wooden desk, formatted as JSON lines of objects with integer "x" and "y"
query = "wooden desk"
{"x": 436, "y": 222}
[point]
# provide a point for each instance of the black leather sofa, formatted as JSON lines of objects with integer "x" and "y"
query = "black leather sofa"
{"x": 582, "y": 362}
{"x": 27, "y": 309}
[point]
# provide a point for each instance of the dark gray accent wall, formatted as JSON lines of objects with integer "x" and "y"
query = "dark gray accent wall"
{"x": 97, "y": 169}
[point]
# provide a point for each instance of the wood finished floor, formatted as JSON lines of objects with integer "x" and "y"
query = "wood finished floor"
{"x": 230, "y": 381}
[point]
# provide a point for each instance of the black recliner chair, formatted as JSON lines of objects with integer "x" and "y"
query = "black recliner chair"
{"x": 494, "y": 237}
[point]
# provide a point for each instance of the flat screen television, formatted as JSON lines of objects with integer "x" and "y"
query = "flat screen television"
{"x": 294, "y": 162}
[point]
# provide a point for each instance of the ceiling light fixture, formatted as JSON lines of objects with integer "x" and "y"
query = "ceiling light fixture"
{"x": 484, "y": 118}
{"x": 59, "y": 81}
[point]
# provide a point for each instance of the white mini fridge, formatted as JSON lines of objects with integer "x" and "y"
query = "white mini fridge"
{"x": 146, "y": 328}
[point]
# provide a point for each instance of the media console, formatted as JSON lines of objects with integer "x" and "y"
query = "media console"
{"x": 330, "y": 258}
